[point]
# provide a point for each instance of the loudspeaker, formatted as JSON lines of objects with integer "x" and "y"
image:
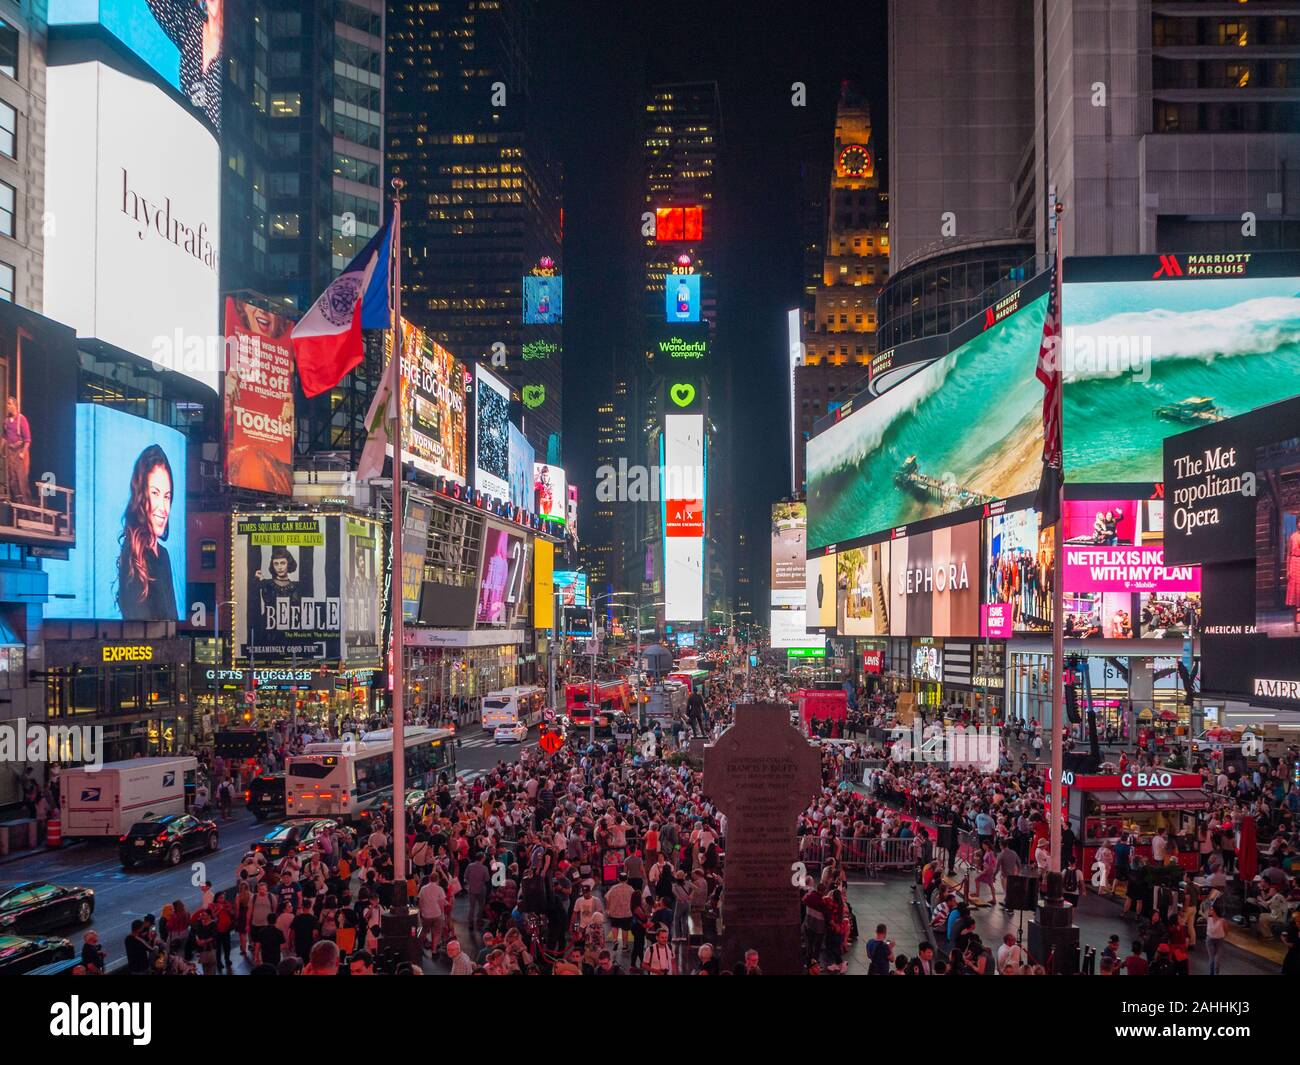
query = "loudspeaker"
{"x": 1022, "y": 891}
{"x": 1057, "y": 948}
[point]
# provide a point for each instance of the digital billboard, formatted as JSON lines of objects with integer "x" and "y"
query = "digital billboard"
{"x": 1155, "y": 345}
{"x": 415, "y": 539}
{"x": 543, "y": 300}
{"x": 306, "y": 589}
{"x": 180, "y": 40}
{"x": 788, "y": 629}
{"x": 130, "y": 564}
{"x": 492, "y": 435}
{"x": 258, "y": 399}
{"x": 965, "y": 429}
{"x": 934, "y": 582}
{"x": 543, "y": 584}
{"x": 1277, "y": 537}
{"x": 862, "y": 591}
{"x": 819, "y": 591}
{"x": 134, "y": 183}
{"x": 1018, "y": 558}
{"x": 550, "y": 492}
{"x": 501, "y": 576}
{"x": 434, "y": 384}
{"x": 789, "y": 547}
{"x": 682, "y": 298}
{"x": 38, "y": 394}
{"x": 682, "y": 349}
{"x": 678, "y": 224}
{"x": 572, "y": 587}
{"x": 682, "y": 474}
{"x": 521, "y": 460}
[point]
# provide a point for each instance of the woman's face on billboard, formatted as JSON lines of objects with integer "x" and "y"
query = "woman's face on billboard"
{"x": 158, "y": 487}
{"x": 280, "y": 567}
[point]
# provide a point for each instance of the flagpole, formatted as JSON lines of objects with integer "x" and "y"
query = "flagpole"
{"x": 397, "y": 648}
{"x": 1057, "y": 813}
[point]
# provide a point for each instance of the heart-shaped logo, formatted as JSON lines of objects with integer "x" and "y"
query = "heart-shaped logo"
{"x": 534, "y": 395}
{"x": 683, "y": 395}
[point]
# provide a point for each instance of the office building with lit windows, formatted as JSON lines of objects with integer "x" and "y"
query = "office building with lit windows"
{"x": 483, "y": 193}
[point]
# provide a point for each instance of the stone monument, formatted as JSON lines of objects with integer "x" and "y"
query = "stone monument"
{"x": 761, "y": 773}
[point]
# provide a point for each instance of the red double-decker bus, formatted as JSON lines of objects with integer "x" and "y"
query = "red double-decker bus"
{"x": 611, "y": 697}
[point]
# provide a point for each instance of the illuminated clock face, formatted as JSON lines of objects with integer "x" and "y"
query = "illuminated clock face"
{"x": 855, "y": 160}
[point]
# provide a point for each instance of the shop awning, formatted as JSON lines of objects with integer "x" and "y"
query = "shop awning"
{"x": 1153, "y": 799}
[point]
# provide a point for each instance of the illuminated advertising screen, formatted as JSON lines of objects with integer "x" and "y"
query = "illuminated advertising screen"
{"x": 179, "y": 40}
{"x": 964, "y": 430}
{"x": 1155, "y": 345}
{"x": 789, "y": 534}
{"x": 681, "y": 349}
{"x": 935, "y": 582}
{"x": 682, "y": 298}
{"x": 306, "y": 588}
{"x": 550, "y": 492}
{"x": 543, "y": 300}
{"x": 543, "y": 584}
{"x": 522, "y": 459}
{"x": 415, "y": 538}
{"x": 788, "y": 629}
{"x": 862, "y": 591}
{"x": 434, "y": 386}
{"x": 682, "y": 474}
{"x": 492, "y": 435}
{"x": 258, "y": 399}
{"x": 363, "y": 547}
{"x": 1277, "y": 537}
{"x": 130, "y": 510}
{"x": 501, "y": 576}
{"x": 927, "y": 662}
{"x": 1017, "y": 574}
{"x": 678, "y": 224}
{"x": 572, "y": 587}
{"x": 38, "y": 394}
{"x": 819, "y": 591}
{"x": 134, "y": 182}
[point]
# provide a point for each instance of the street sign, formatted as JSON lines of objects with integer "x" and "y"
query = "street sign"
{"x": 548, "y": 714}
{"x": 550, "y": 742}
{"x": 806, "y": 652}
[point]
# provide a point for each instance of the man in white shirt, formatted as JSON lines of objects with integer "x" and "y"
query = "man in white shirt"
{"x": 431, "y": 900}
{"x": 1160, "y": 846}
{"x": 1011, "y": 956}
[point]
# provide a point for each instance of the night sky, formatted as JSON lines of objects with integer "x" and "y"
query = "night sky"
{"x": 593, "y": 61}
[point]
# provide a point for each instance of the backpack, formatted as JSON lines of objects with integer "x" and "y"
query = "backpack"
{"x": 878, "y": 952}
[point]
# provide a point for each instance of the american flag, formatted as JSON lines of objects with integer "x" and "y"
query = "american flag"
{"x": 1048, "y": 371}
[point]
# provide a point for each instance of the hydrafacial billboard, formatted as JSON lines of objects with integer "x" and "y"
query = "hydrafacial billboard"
{"x": 133, "y": 182}
{"x": 130, "y": 513}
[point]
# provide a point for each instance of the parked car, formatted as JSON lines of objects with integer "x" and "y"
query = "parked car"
{"x": 41, "y": 907}
{"x": 515, "y": 732}
{"x": 292, "y": 837}
{"x": 167, "y": 839}
{"x": 22, "y": 954}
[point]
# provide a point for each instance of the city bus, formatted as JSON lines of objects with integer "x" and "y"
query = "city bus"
{"x": 348, "y": 778}
{"x": 612, "y": 697}
{"x": 522, "y": 704}
{"x": 694, "y": 680}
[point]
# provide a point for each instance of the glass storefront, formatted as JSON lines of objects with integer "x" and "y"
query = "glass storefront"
{"x": 435, "y": 674}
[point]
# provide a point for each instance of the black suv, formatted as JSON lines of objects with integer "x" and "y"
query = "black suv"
{"x": 166, "y": 839}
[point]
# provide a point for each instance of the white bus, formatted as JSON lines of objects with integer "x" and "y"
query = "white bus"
{"x": 521, "y": 704}
{"x": 348, "y": 778}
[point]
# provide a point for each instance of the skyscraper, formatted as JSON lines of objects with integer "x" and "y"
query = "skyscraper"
{"x": 302, "y": 179}
{"x": 681, "y": 140}
{"x": 483, "y": 195}
{"x": 838, "y": 321}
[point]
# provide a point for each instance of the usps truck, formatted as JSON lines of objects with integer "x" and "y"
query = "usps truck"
{"x": 109, "y": 800}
